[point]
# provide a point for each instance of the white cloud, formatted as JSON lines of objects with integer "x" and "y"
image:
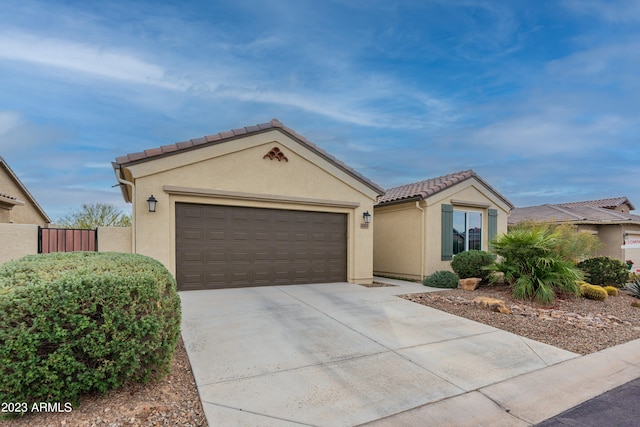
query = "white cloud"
{"x": 616, "y": 11}
{"x": 8, "y": 121}
{"x": 84, "y": 58}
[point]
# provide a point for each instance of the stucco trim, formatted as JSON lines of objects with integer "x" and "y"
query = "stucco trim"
{"x": 238, "y": 195}
{"x": 457, "y": 202}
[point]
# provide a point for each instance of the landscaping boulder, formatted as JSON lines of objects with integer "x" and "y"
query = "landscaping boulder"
{"x": 469, "y": 284}
{"x": 492, "y": 304}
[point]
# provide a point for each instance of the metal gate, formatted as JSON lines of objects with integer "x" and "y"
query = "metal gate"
{"x": 66, "y": 240}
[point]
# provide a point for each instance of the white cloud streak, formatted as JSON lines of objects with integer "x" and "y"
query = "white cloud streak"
{"x": 84, "y": 58}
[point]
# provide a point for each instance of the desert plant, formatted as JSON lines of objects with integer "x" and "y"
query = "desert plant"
{"x": 611, "y": 290}
{"x": 635, "y": 304}
{"x": 570, "y": 245}
{"x": 633, "y": 288}
{"x": 442, "y": 279}
{"x": 593, "y": 292}
{"x": 532, "y": 266}
{"x": 84, "y": 321}
{"x": 472, "y": 264}
{"x": 605, "y": 271}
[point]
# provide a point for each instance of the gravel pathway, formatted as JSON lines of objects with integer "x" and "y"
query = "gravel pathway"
{"x": 572, "y": 323}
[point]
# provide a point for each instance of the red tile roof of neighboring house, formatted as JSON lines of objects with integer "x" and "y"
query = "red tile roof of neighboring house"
{"x": 423, "y": 189}
{"x": 602, "y": 203}
{"x": 218, "y": 138}
{"x": 590, "y": 211}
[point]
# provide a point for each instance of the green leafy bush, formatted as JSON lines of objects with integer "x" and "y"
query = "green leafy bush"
{"x": 532, "y": 265}
{"x": 441, "y": 279}
{"x": 84, "y": 321}
{"x": 605, "y": 271}
{"x": 472, "y": 263}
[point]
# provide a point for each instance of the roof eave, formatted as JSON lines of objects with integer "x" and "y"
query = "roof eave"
{"x": 255, "y": 130}
{"x": 32, "y": 200}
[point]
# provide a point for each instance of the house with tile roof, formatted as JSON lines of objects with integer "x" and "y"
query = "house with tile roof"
{"x": 254, "y": 206}
{"x": 610, "y": 219}
{"x": 17, "y": 205}
{"x": 420, "y": 227}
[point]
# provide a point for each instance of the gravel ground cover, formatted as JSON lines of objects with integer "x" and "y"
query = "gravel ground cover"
{"x": 572, "y": 323}
{"x": 173, "y": 401}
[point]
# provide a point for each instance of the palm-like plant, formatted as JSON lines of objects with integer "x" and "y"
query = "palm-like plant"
{"x": 533, "y": 266}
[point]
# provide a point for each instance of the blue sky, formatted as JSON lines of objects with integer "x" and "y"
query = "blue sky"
{"x": 540, "y": 98}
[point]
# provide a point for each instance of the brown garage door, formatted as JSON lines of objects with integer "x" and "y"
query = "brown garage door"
{"x": 229, "y": 246}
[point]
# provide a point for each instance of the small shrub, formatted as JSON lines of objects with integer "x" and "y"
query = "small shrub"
{"x": 532, "y": 266}
{"x": 611, "y": 291}
{"x": 442, "y": 279}
{"x": 84, "y": 321}
{"x": 633, "y": 288}
{"x": 472, "y": 264}
{"x": 635, "y": 304}
{"x": 605, "y": 271}
{"x": 593, "y": 292}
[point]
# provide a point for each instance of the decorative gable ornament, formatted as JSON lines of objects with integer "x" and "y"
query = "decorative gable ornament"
{"x": 275, "y": 153}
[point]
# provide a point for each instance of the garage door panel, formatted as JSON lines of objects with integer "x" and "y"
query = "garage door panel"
{"x": 224, "y": 246}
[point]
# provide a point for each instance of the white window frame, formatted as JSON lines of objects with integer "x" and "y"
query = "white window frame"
{"x": 466, "y": 240}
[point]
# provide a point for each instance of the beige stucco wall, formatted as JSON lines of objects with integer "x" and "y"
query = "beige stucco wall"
{"x": 20, "y": 214}
{"x": 612, "y": 237}
{"x": 17, "y": 240}
{"x": 305, "y": 182}
{"x": 114, "y": 239}
{"x": 404, "y": 259}
{"x": 397, "y": 241}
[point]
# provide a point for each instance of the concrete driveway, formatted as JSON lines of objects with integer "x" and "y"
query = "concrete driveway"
{"x": 342, "y": 354}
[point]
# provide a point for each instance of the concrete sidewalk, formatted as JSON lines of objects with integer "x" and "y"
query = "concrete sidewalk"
{"x": 341, "y": 354}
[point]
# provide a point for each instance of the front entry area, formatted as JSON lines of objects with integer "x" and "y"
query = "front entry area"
{"x": 231, "y": 246}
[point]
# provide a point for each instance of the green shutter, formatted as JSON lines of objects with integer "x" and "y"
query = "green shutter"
{"x": 492, "y": 231}
{"x": 447, "y": 232}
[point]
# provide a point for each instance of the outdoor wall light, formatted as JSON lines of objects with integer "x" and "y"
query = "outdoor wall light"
{"x": 152, "y": 203}
{"x": 367, "y": 217}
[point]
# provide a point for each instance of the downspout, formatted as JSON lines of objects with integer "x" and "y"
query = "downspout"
{"x": 422, "y": 251}
{"x": 133, "y": 207}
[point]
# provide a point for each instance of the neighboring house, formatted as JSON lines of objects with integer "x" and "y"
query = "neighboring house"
{"x": 420, "y": 227}
{"x": 259, "y": 205}
{"x": 17, "y": 205}
{"x": 610, "y": 219}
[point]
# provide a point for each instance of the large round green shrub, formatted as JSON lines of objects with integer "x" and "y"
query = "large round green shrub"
{"x": 605, "y": 271}
{"x": 84, "y": 321}
{"x": 442, "y": 279}
{"x": 472, "y": 264}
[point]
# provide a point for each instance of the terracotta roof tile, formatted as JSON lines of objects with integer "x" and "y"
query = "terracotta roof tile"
{"x": 169, "y": 148}
{"x": 590, "y": 211}
{"x": 602, "y": 203}
{"x": 221, "y": 137}
{"x": 184, "y": 144}
{"x": 153, "y": 152}
{"x": 198, "y": 141}
{"x": 423, "y": 189}
{"x": 214, "y": 137}
{"x": 136, "y": 156}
